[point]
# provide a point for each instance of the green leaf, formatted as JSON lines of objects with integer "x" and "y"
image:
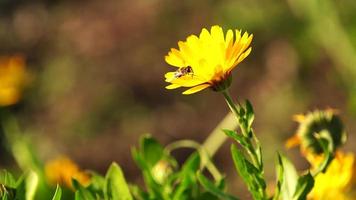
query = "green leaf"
{"x": 187, "y": 178}
{"x": 6, "y": 192}
{"x": 304, "y": 186}
{"x": 7, "y": 179}
{"x": 247, "y": 172}
{"x": 97, "y": 184}
{"x": 207, "y": 196}
{"x": 255, "y": 173}
{"x": 58, "y": 193}
{"x": 290, "y": 178}
{"x": 137, "y": 193}
{"x": 210, "y": 187}
{"x": 238, "y": 137}
{"x": 20, "y": 189}
{"x": 151, "y": 150}
{"x": 82, "y": 193}
{"x": 152, "y": 186}
{"x": 250, "y": 116}
{"x": 116, "y": 187}
{"x": 31, "y": 185}
{"x": 280, "y": 177}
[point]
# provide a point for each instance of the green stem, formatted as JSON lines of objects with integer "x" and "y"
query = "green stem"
{"x": 231, "y": 104}
{"x": 251, "y": 139}
{"x": 216, "y": 138}
{"x": 204, "y": 156}
{"x": 235, "y": 110}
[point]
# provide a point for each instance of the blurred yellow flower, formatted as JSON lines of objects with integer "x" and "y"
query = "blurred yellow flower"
{"x": 62, "y": 170}
{"x": 336, "y": 182}
{"x": 207, "y": 60}
{"x": 325, "y": 123}
{"x": 13, "y": 78}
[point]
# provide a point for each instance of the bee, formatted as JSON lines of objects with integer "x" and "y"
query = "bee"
{"x": 183, "y": 71}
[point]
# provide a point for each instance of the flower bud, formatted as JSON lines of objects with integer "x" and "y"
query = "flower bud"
{"x": 161, "y": 171}
{"x": 320, "y": 124}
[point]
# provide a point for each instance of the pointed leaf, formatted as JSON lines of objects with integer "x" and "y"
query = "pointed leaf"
{"x": 82, "y": 193}
{"x": 151, "y": 150}
{"x": 290, "y": 178}
{"x": 31, "y": 185}
{"x": 280, "y": 177}
{"x": 116, "y": 187}
{"x": 7, "y": 179}
{"x": 58, "y": 194}
{"x": 250, "y": 116}
{"x": 305, "y": 185}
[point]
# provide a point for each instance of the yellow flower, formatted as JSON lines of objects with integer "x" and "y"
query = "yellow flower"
{"x": 13, "y": 77}
{"x": 336, "y": 182}
{"x": 62, "y": 170}
{"x": 207, "y": 60}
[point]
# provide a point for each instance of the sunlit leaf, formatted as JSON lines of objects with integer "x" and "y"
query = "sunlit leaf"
{"x": 116, "y": 187}
{"x": 290, "y": 178}
{"x": 31, "y": 185}
{"x": 58, "y": 193}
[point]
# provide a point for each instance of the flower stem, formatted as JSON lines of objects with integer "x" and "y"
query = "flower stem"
{"x": 204, "y": 156}
{"x": 216, "y": 138}
{"x": 252, "y": 145}
{"x": 231, "y": 103}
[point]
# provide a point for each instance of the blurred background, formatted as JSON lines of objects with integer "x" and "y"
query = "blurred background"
{"x": 97, "y": 74}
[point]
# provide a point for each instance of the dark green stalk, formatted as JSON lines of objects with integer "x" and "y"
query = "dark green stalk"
{"x": 252, "y": 147}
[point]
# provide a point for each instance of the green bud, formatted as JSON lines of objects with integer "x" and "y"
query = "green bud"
{"x": 320, "y": 124}
{"x": 161, "y": 171}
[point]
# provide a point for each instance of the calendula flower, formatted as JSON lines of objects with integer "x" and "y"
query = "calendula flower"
{"x": 336, "y": 182}
{"x": 319, "y": 123}
{"x": 207, "y": 60}
{"x": 62, "y": 170}
{"x": 13, "y": 77}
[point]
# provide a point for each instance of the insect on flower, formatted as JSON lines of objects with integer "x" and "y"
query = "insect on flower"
{"x": 183, "y": 71}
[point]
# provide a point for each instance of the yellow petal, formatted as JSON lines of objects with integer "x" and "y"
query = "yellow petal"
{"x": 169, "y": 76}
{"x": 9, "y": 96}
{"x": 240, "y": 45}
{"x": 244, "y": 55}
{"x": 187, "y": 81}
{"x": 196, "y": 89}
{"x": 292, "y": 142}
{"x": 217, "y": 33}
{"x": 172, "y": 86}
{"x": 229, "y": 38}
{"x": 174, "y": 58}
{"x": 299, "y": 118}
{"x": 184, "y": 81}
{"x": 205, "y": 35}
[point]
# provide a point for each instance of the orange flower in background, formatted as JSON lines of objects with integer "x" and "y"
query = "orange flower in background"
{"x": 207, "y": 60}
{"x": 62, "y": 170}
{"x": 13, "y": 78}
